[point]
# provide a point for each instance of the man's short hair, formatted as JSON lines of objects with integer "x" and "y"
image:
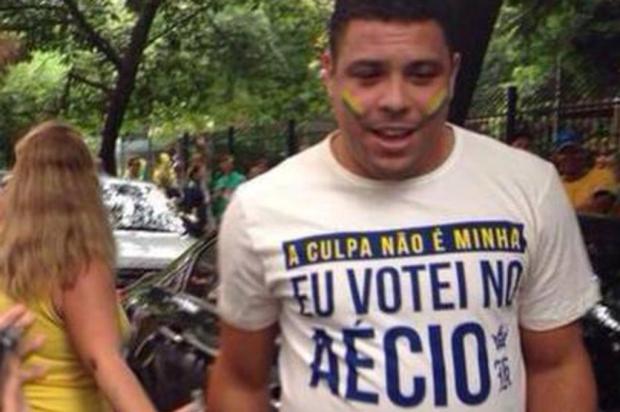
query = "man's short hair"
{"x": 521, "y": 132}
{"x": 389, "y": 10}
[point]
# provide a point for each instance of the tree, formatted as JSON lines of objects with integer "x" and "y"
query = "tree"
{"x": 191, "y": 64}
{"x": 536, "y": 37}
{"x": 47, "y": 22}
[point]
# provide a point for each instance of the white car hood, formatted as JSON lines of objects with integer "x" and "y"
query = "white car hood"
{"x": 148, "y": 250}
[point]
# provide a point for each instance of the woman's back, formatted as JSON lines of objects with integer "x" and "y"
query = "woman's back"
{"x": 67, "y": 386}
{"x": 56, "y": 242}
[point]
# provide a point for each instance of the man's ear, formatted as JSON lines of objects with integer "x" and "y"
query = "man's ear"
{"x": 456, "y": 67}
{"x": 327, "y": 67}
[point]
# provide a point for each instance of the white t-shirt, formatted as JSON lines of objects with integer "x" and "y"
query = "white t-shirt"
{"x": 404, "y": 295}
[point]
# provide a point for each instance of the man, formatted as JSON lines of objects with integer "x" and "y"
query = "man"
{"x": 134, "y": 169}
{"x": 406, "y": 263}
{"x": 583, "y": 184}
{"x": 194, "y": 202}
{"x": 522, "y": 139}
{"x": 225, "y": 185}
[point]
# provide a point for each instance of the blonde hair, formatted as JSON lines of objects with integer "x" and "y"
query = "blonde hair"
{"x": 55, "y": 223}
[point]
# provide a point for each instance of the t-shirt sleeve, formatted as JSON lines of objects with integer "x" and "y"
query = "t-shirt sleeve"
{"x": 560, "y": 286}
{"x": 244, "y": 300}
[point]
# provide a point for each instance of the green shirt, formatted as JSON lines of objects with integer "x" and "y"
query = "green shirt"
{"x": 223, "y": 189}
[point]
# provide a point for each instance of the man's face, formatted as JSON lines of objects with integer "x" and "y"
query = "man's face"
{"x": 226, "y": 165}
{"x": 134, "y": 168}
{"x": 522, "y": 143}
{"x": 390, "y": 86}
{"x": 570, "y": 161}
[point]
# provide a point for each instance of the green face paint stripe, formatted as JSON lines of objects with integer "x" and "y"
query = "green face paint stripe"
{"x": 352, "y": 103}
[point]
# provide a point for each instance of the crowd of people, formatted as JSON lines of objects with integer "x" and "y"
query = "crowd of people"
{"x": 403, "y": 262}
{"x": 198, "y": 192}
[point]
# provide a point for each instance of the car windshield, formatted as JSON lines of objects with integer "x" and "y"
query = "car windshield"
{"x": 139, "y": 206}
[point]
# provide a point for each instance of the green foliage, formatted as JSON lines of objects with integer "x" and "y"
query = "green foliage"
{"x": 209, "y": 63}
{"x": 535, "y": 37}
{"x": 31, "y": 91}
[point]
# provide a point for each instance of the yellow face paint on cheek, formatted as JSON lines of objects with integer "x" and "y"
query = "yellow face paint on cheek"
{"x": 352, "y": 103}
{"x": 436, "y": 102}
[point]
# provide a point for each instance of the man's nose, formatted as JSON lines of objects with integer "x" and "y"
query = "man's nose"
{"x": 395, "y": 100}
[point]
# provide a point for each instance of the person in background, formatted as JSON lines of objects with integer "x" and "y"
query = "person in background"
{"x": 57, "y": 258}
{"x": 134, "y": 168}
{"x": 522, "y": 139}
{"x": 163, "y": 173}
{"x": 581, "y": 181}
{"x": 194, "y": 202}
{"x": 615, "y": 167}
{"x": 225, "y": 184}
{"x": 259, "y": 167}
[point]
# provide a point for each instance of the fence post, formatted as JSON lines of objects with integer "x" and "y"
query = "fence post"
{"x": 185, "y": 150}
{"x": 231, "y": 140}
{"x": 512, "y": 97}
{"x": 558, "y": 97}
{"x": 291, "y": 139}
{"x": 615, "y": 125}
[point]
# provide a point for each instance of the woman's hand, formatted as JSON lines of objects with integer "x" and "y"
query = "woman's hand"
{"x": 12, "y": 375}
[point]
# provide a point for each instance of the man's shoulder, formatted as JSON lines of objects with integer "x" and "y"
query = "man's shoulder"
{"x": 497, "y": 157}
{"x": 284, "y": 179}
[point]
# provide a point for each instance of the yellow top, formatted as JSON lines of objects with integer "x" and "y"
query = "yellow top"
{"x": 67, "y": 385}
{"x": 580, "y": 190}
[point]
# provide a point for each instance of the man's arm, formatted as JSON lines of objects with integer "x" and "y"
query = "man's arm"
{"x": 559, "y": 373}
{"x": 239, "y": 379}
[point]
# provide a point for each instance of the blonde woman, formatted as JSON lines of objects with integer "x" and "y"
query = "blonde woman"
{"x": 57, "y": 257}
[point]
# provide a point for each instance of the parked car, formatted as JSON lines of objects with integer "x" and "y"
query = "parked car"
{"x": 174, "y": 316}
{"x": 149, "y": 232}
{"x": 176, "y": 327}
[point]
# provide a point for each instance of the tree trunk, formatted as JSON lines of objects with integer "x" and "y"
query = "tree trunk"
{"x": 475, "y": 20}
{"x": 125, "y": 84}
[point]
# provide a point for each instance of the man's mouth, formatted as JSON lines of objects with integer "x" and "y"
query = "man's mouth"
{"x": 393, "y": 132}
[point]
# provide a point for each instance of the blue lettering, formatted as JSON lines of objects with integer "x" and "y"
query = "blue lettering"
{"x": 460, "y": 278}
{"x": 361, "y": 300}
{"x": 383, "y": 290}
{"x": 463, "y": 390}
{"x": 437, "y": 286}
{"x": 394, "y": 391}
{"x": 439, "y": 365}
{"x": 355, "y": 361}
{"x": 494, "y": 281}
{"x": 415, "y": 285}
{"x": 300, "y": 297}
{"x": 515, "y": 269}
{"x": 328, "y": 310}
{"x": 323, "y": 346}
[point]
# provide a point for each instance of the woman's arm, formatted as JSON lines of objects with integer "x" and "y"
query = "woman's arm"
{"x": 90, "y": 310}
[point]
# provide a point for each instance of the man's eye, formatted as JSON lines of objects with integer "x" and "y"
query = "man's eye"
{"x": 366, "y": 74}
{"x": 424, "y": 72}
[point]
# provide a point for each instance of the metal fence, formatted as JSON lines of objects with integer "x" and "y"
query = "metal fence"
{"x": 499, "y": 112}
{"x": 561, "y": 103}
{"x": 275, "y": 142}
